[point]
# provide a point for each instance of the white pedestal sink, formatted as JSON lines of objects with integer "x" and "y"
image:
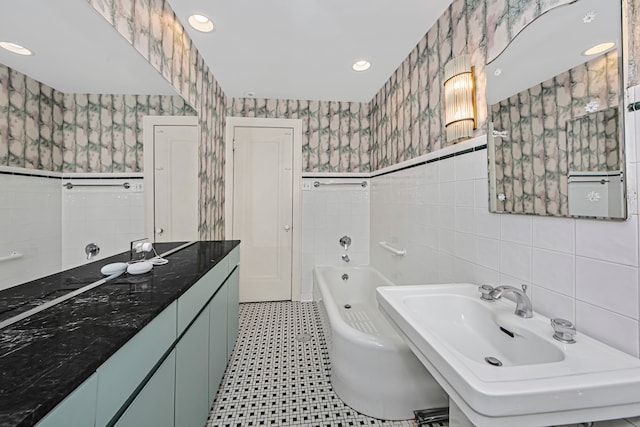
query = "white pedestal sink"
{"x": 541, "y": 382}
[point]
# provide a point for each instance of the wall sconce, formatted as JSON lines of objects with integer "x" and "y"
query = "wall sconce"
{"x": 459, "y": 98}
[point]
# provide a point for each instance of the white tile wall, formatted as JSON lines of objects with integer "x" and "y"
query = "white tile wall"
{"x": 29, "y": 225}
{"x": 583, "y": 270}
{"x": 328, "y": 213}
{"x": 110, "y": 217}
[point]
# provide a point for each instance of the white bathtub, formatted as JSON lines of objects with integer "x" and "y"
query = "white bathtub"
{"x": 372, "y": 369}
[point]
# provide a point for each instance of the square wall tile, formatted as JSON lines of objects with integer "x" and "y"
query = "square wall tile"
{"x": 553, "y": 304}
{"x": 481, "y": 193}
{"x": 515, "y": 260}
{"x": 487, "y": 224}
{"x": 464, "y": 193}
{"x": 557, "y": 234}
{"x": 554, "y": 271}
{"x": 618, "y": 331}
{"x": 516, "y": 229}
{"x": 611, "y": 286}
{"x": 612, "y": 241}
{"x": 488, "y": 253}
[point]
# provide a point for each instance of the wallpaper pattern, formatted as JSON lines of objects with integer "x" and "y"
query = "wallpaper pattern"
{"x": 30, "y": 122}
{"x": 593, "y": 142}
{"x": 532, "y": 162}
{"x": 406, "y": 119}
{"x": 152, "y": 28}
{"x": 43, "y": 128}
{"x": 336, "y": 135}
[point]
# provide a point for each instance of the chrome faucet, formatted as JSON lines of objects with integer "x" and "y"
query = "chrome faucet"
{"x": 345, "y": 242}
{"x": 523, "y": 303}
{"x": 345, "y": 258}
{"x": 91, "y": 250}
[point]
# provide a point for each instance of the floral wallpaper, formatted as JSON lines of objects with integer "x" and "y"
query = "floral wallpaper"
{"x": 336, "y": 134}
{"x": 593, "y": 142}
{"x": 30, "y": 122}
{"x": 152, "y": 28}
{"x": 103, "y": 133}
{"x": 406, "y": 119}
{"x": 43, "y": 128}
{"x": 532, "y": 161}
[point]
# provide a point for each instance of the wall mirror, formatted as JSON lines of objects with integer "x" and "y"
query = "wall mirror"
{"x": 78, "y": 53}
{"x": 555, "y": 134}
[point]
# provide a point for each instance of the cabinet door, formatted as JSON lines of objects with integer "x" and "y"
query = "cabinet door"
{"x": 233, "y": 316}
{"x": 78, "y": 409}
{"x": 217, "y": 340}
{"x": 192, "y": 374}
{"x": 154, "y": 404}
{"x": 122, "y": 373}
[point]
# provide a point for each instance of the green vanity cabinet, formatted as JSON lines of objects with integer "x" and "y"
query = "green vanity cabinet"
{"x": 233, "y": 317}
{"x": 154, "y": 405}
{"x": 192, "y": 367}
{"x": 217, "y": 339}
{"x": 192, "y": 301}
{"x": 168, "y": 374}
{"x": 77, "y": 409}
{"x": 122, "y": 373}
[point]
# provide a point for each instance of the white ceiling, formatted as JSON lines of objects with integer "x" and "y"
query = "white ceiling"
{"x": 287, "y": 49}
{"x": 552, "y": 44}
{"x": 304, "y": 49}
{"x": 76, "y": 49}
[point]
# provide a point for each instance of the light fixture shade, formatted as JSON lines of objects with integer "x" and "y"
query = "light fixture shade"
{"x": 459, "y": 98}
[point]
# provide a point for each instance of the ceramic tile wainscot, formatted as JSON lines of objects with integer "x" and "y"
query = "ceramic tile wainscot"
{"x": 47, "y": 356}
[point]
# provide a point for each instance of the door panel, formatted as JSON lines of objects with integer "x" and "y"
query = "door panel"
{"x": 263, "y": 211}
{"x": 175, "y": 183}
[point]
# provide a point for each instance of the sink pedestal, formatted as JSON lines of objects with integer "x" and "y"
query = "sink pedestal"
{"x": 457, "y": 417}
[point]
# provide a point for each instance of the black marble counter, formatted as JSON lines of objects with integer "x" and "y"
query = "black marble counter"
{"x": 45, "y": 357}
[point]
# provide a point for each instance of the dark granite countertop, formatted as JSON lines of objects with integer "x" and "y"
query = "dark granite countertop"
{"x": 45, "y": 357}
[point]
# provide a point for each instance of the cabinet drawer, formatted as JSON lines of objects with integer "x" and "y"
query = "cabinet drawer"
{"x": 123, "y": 372}
{"x": 154, "y": 406}
{"x": 234, "y": 257}
{"x": 192, "y": 301}
{"x": 78, "y": 409}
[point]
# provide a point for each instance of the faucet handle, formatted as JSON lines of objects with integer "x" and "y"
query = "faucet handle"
{"x": 486, "y": 291}
{"x": 564, "y": 331}
{"x": 524, "y": 288}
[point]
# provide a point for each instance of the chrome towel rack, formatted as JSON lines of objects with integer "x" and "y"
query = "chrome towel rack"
{"x": 13, "y": 255}
{"x": 124, "y": 185}
{"x": 362, "y": 184}
{"x": 395, "y": 251}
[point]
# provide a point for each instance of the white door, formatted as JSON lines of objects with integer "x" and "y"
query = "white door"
{"x": 263, "y": 211}
{"x": 175, "y": 183}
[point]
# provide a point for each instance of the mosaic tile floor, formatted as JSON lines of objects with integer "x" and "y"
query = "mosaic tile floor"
{"x": 279, "y": 374}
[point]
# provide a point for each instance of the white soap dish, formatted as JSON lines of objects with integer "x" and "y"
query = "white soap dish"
{"x": 114, "y": 268}
{"x": 140, "y": 267}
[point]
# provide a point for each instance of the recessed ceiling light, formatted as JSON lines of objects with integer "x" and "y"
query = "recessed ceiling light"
{"x": 497, "y": 72}
{"x": 15, "y": 48}
{"x": 201, "y": 23}
{"x": 361, "y": 65}
{"x": 599, "y": 48}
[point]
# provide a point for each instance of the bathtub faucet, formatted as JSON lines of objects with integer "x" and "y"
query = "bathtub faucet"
{"x": 345, "y": 258}
{"x": 523, "y": 303}
{"x": 345, "y": 242}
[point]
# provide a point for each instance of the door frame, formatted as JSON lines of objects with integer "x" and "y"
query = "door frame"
{"x": 148, "y": 148}
{"x": 296, "y": 126}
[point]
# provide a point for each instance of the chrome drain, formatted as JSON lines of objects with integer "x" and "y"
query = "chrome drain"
{"x": 347, "y": 306}
{"x": 303, "y": 337}
{"x": 493, "y": 361}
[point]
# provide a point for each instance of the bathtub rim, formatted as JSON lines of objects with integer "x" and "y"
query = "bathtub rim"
{"x": 340, "y": 326}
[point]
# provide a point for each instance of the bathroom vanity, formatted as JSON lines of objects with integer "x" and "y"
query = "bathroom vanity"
{"x": 138, "y": 350}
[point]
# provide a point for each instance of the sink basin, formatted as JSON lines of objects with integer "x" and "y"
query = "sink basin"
{"x": 540, "y": 381}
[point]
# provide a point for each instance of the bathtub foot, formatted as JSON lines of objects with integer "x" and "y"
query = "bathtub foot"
{"x": 424, "y": 417}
